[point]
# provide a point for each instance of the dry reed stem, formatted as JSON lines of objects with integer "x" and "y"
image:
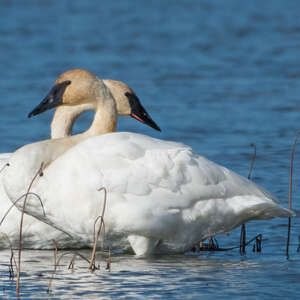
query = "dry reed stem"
{"x": 12, "y": 258}
{"x": 55, "y": 252}
{"x": 92, "y": 266}
{"x": 243, "y": 238}
{"x": 290, "y": 192}
{"x": 213, "y": 245}
{"x": 55, "y": 265}
{"x": 258, "y": 242}
{"x": 42, "y": 206}
{"x": 103, "y": 224}
{"x": 20, "y": 198}
{"x": 108, "y": 262}
{"x": 57, "y": 261}
{"x": 11, "y": 267}
{"x": 21, "y": 227}
{"x": 252, "y": 160}
{"x": 72, "y": 262}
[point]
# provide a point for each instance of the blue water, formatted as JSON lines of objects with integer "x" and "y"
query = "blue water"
{"x": 216, "y": 75}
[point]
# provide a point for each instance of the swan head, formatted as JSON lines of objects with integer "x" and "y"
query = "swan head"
{"x": 128, "y": 104}
{"x": 71, "y": 88}
{"x": 77, "y": 87}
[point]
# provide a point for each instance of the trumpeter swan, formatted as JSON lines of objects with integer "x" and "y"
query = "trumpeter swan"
{"x": 36, "y": 233}
{"x": 162, "y": 197}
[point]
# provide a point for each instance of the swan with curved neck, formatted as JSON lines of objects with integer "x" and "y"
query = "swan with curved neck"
{"x": 61, "y": 126}
{"x": 162, "y": 197}
{"x": 65, "y": 116}
{"x": 81, "y": 87}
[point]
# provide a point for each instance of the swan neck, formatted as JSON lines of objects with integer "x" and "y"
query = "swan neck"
{"x": 64, "y": 119}
{"x": 105, "y": 119}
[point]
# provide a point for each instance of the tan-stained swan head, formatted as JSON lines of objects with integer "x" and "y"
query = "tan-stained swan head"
{"x": 72, "y": 88}
{"x": 128, "y": 104}
{"x": 77, "y": 87}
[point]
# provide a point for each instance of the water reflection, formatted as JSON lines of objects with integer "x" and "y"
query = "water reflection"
{"x": 188, "y": 276}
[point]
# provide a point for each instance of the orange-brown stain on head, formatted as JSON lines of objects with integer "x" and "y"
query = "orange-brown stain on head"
{"x": 118, "y": 90}
{"x": 81, "y": 88}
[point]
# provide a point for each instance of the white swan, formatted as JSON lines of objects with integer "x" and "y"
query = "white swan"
{"x": 162, "y": 197}
{"x": 36, "y": 233}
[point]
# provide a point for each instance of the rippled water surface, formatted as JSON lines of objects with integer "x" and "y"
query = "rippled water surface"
{"x": 217, "y": 76}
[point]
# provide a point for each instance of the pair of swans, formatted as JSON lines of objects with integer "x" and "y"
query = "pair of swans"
{"x": 37, "y": 234}
{"x": 161, "y": 196}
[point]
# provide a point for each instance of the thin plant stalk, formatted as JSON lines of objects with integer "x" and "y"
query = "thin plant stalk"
{"x": 96, "y": 237}
{"x": 11, "y": 261}
{"x": 243, "y": 227}
{"x": 72, "y": 262}
{"x": 12, "y": 258}
{"x": 42, "y": 206}
{"x": 290, "y": 193}
{"x": 252, "y": 161}
{"x": 55, "y": 265}
{"x": 21, "y": 227}
{"x": 57, "y": 261}
{"x": 20, "y": 198}
{"x": 213, "y": 246}
{"x": 108, "y": 262}
{"x": 243, "y": 240}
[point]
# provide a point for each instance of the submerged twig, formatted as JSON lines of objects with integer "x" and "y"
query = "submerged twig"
{"x": 72, "y": 262}
{"x": 96, "y": 237}
{"x": 108, "y": 262}
{"x": 21, "y": 227}
{"x": 74, "y": 254}
{"x": 55, "y": 252}
{"x": 11, "y": 267}
{"x": 257, "y": 245}
{"x": 243, "y": 240}
{"x": 57, "y": 261}
{"x": 290, "y": 192}
{"x": 55, "y": 265}
{"x": 11, "y": 261}
{"x": 212, "y": 245}
{"x": 12, "y": 257}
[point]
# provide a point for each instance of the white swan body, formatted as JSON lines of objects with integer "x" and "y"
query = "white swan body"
{"x": 35, "y": 233}
{"x": 162, "y": 197}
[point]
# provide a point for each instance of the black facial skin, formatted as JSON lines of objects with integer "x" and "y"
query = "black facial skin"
{"x": 53, "y": 99}
{"x": 138, "y": 112}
